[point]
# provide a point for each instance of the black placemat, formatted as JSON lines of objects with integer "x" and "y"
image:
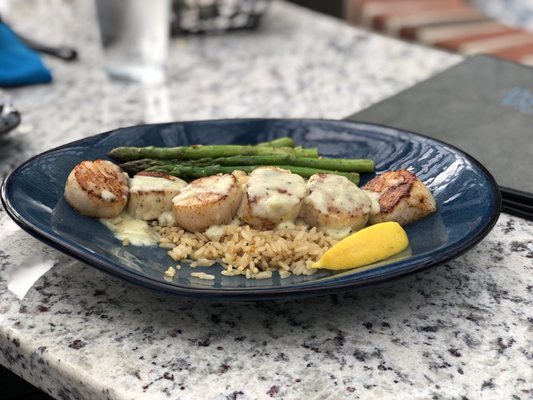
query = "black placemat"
{"x": 483, "y": 106}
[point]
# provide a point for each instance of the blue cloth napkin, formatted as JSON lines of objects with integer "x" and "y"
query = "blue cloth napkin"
{"x": 19, "y": 65}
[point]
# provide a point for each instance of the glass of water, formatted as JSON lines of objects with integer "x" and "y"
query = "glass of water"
{"x": 135, "y": 36}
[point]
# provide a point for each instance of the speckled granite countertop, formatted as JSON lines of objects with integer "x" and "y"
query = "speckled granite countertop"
{"x": 459, "y": 331}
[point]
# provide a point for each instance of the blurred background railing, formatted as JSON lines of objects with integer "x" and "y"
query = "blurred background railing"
{"x": 502, "y": 28}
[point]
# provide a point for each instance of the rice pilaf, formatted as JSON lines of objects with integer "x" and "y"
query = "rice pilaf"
{"x": 242, "y": 250}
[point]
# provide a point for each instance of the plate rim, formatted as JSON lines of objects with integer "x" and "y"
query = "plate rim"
{"x": 256, "y": 293}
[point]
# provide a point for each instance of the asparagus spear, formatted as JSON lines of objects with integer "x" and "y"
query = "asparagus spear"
{"x": 189, "y": 171}
{"x": 333, "y": 164}
{"x": 208, "y": 151}
{"x": 135, "y": 166}
{"x": 280, "y": 142}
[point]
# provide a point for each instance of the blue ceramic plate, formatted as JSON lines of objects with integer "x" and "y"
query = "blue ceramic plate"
{"x": 467, "y": 197}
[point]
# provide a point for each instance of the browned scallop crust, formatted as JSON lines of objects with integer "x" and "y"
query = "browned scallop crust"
{"x": 99, "y": 175}
{"x": 97, "y": 189}
{"x": 401, "y": 197}
{"x": 392, "y": 186}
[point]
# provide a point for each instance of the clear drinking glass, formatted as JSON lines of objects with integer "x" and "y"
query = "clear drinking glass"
{"x": 135, "y": 36}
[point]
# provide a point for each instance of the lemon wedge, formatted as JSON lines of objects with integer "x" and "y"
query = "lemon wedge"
{"x": 371, "y": 244}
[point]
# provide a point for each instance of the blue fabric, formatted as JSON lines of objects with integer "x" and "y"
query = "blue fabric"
{"x": 19, "y": 65}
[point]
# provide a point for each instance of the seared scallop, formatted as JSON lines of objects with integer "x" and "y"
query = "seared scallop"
{"x": 335, "y": 205}
{"x": 399, "y": 196}
{"x": 272, "y": 196}
{"x": 151, "y": 194}
{"x": 242, "y": 177}
{"x": 213, "y": 200}
{"x": 97, "y": 189}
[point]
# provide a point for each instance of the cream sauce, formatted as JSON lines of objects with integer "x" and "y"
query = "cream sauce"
{"x": 136, "y": 231}
{"x": 275, "y": 193}
{"x": 328, "y": 190}
{"x": 107, "y": 195}
{"x": 338, "y": 234}
{"x": 375, "y": 208}
{"x": 215, "y": 232}
{"x": 222, "y": 186}
{"x": 286, "y": 225}
{"x": 142, "y": 183}
{"x": 150, "y": 196}
{"x": 167, "y": 219}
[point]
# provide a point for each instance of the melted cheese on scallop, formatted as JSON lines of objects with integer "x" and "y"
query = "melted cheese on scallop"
{"x": 335, "y": 205}
{"x": 144, "y": 183}
{"x": 273, "y": 193}
{"x": 337, "y": 191}
{"x": 218, "y": 187}
{"x": 151, "y": 195}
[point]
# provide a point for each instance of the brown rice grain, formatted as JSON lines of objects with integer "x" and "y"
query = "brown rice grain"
{"x": 203, "y": 275}
{"x": 247, "y": 251}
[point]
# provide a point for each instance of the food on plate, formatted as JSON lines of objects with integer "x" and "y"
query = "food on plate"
{"x": 196, "y": 169}
{"x": 369, "y": 245}
{"x": 205, "y": 202}
{"x": 242, "y": 250}
{"x": 399, "y": 196}
{"x": 305, "y": 166}
{"x": 335, "y": 205}
{"x": 255, "y": 210}
{"x": 196, "y": 161}
{"x": 196, "y": 152}
{"x": 272, "y": 195}
{"x": 151, "y": 194}
{"x": 97, "y": 189}
{"x": 131, "y": 231}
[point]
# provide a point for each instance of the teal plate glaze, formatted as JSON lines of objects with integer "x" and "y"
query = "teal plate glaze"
{"x": 467, "y": 196}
